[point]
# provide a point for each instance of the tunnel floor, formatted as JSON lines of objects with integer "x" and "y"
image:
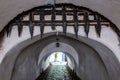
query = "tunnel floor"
{"x": 58, "y": 72}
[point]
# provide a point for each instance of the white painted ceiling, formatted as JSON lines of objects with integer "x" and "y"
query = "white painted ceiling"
{"x": 10, "y": 8}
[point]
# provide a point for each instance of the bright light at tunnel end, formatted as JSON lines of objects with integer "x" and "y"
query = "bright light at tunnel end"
{"x": 57, "y": 58}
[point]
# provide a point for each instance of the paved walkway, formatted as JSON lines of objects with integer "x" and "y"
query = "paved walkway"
{"x": 58, "y": 72}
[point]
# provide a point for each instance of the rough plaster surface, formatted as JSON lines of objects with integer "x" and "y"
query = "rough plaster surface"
{"x": 108, "y": 8}
{"x": 108, "y": 38}
{"x": 63, "y": 48}
{"x": 73, "y": 59}
{"x": 104, "y": 66}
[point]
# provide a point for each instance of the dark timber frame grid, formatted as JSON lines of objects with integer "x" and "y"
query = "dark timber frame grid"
{"x": 78, "y": 16}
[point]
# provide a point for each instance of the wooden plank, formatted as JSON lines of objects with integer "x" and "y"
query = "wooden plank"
{"x": 53, "y": 18}
{"x": 86, "y": 23}
{"x": 64, "y": 20}
{"x": 98, "y": 28}
{"x": 31, "y": 27}
{"x": 41, "y": 22}
{"x": 75, "y": 22}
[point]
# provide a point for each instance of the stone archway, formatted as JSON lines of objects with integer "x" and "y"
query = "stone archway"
{"x": 68, "y": 50}
{"x": 96, "y": 62}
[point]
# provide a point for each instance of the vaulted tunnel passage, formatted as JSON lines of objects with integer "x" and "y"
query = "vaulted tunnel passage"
{"x": 58, "y": 66}
{"x": 92, "y": 60}
{"x": 86, "y": 58}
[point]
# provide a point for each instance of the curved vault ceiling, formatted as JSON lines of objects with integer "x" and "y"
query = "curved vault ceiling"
{"x": 85, "y": 44}
{"x": 10, "y": 9}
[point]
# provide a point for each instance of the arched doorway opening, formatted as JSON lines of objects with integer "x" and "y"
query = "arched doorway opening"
{"x": 57, "y": 58}
{"x": 59, "y": 66}
{"x": 90, "y": 56}
{"x": 93, "y": 61}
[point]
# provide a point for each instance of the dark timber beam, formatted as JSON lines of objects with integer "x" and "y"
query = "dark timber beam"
{"x": 98, "y": 27}
{"x": 64, "y": 19}
{"x": 86, "y": 18}
{"x": 31, "y": 27}
{"x": 76, "y": 22}
{"x": 53, "y": 18}
{"x": 64, "y": 10}
{"x": 20, "y": 27}
{"x": 41, "y": 22}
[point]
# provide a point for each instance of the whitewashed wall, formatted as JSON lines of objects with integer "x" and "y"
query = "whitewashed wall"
{"x": 45, "y": 64}
{"x": 108, "y": 38}
{"x": 50, "y": 48}
{"x": 70, "y": 64}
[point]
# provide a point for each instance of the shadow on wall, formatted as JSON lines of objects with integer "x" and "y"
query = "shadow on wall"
{"x": 1, "y": 39}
